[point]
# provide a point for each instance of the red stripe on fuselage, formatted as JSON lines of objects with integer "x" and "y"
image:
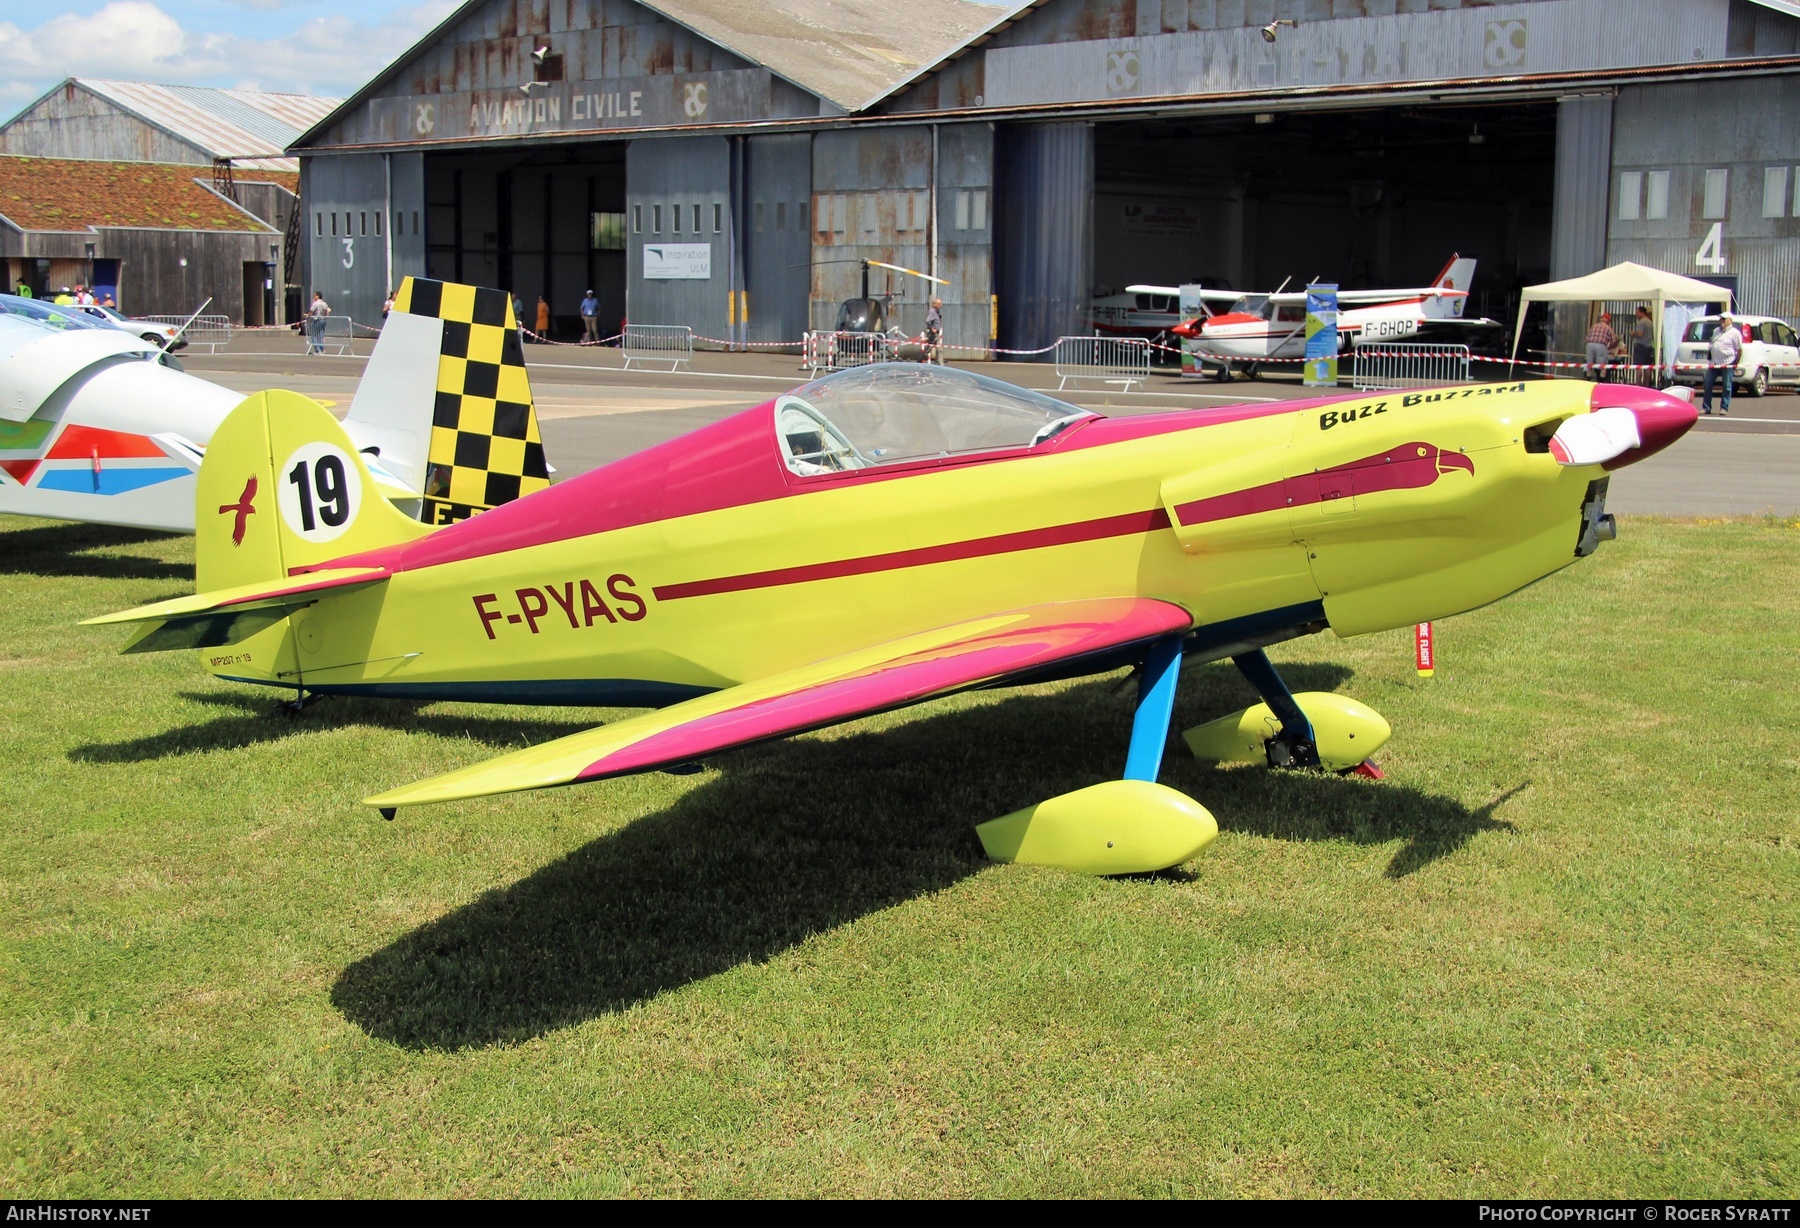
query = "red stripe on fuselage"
{"x": 1126, "y": 525}
{"x": 1407, "y": 467}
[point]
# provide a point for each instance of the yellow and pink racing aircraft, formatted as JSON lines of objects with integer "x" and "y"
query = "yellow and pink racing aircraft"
{"x": 892, "y": 533}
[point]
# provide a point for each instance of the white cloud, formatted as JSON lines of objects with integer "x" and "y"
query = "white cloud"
{"x": 135, "y": 40}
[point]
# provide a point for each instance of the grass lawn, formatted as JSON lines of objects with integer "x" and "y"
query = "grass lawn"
{"x": 1552, "y": 953}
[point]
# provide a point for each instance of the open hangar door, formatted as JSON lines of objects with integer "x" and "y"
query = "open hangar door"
{"x": 1367, "y": 199}
{"x": 547, "y": 221}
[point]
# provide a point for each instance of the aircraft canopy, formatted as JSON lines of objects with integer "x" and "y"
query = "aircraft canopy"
{"x": 888, "y": 413}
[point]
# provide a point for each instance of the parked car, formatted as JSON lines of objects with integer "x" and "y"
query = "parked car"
{"x": 1771, "y": 353}
{"x": 153, "y": 331}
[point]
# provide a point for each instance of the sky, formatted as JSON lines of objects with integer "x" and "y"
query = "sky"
{"x": 326, "y": 47}
{"x": 329, "y": 47}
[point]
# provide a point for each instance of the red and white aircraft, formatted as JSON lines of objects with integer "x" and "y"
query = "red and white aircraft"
{"x": 1259, "y": 327}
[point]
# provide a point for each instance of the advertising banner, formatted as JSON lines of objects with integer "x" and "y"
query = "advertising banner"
{"x": 1191, "y": 306}
{"x": 677, "y": 261}
{"x": 1320, "y": 368}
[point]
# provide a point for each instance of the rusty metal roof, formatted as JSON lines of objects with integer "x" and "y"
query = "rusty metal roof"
{"x": 253, "y": 129}
{"x": 849, "y": 52}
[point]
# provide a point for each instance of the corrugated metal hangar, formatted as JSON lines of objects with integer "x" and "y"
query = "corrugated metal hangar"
{"x": 727, "y": 167}
{"x": 77, "y": 203}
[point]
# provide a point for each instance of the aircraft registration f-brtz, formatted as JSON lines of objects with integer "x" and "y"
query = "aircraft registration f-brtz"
{"x": 892, "y": 533}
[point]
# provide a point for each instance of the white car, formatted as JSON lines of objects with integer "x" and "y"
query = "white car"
{"x": 153, "y": 331}
{"x": 1771, "y": 353}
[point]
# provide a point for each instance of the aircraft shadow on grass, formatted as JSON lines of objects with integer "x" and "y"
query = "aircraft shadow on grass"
{"x": 801, "y": 836}
{"x": 67, "y": 550}
{"x": 256, "y": 718}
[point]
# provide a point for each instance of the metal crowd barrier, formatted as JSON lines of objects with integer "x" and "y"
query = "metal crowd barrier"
{"x": 1113, "y": 360}
{"x": 1399, "y": 364}
{"x": 833, "y": 351}
{"x": 213, "y": 332}
{"x": 670, "y": 343}
{"x": 336, "y": 335}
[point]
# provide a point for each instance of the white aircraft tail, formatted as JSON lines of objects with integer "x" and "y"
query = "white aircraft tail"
{"x": 1459, "y": 274}
{"x": 444, "y": 407}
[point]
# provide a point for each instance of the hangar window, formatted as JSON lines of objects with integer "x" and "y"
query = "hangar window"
{"x": 890, "y": 413}
{"x": 637, "y": 219}
{"x": 364, "y": 219}
{"x": 656, "y": 219}
{"x": 978, "y": 210}
{"x": 781, "y": 215}
{"x": 607, "y": 232}
{"x": 1656, "y": 202}
{"x": 550, "y": 68}
{"x": 675, "y": 220}
{"x": 1712, "y": 200}
{"x": 696, "y": 219}
{"x": 718, "y": 219}
{"x": 1631, "y": 195}
{"x": 799, "y": 215}
{"x": 962, "y": 210}
{"x": 319, "y": 224}
{"x": 378, "y": 225}
{"x": 415, "y": 228}
{"x": 1775, "y": 179}
{"x": 334, "y": 223}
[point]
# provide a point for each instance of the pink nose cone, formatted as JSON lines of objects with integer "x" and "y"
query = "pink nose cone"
{"x": 1662, "y": 419}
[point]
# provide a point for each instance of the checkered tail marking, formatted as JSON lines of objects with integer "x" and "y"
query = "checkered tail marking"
{"x": 485, "y": 447}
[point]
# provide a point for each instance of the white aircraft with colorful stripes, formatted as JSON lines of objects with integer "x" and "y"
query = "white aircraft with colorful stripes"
{"x": 95, "y": 427}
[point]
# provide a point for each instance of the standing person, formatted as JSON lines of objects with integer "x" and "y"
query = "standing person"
{"x": 1600, "y": 341}
{"x": 1643, "y": 342}
{"x": 315, "y": 324}
{"x": 1722, "y": 361}
{"x": 64, "y": 298}
{"x": 387, "y": 307}
{"x": 543, "y": 318}
{"x": 590, "y": 320}
{"x": 25, "y": 289}
{"x": 934, "y": 330}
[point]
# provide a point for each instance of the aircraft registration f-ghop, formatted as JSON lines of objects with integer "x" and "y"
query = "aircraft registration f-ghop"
{"x": 892, "y": 533}
{"x": 89, "y": 431}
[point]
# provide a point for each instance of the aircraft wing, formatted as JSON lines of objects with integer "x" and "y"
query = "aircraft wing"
{"x": 1209, "y": 296}
{"x": 891, "y": 675}
{"x": 1376, "y": 296}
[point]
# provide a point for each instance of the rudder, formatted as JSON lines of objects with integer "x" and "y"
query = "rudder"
{"x": 282, "y": 488}
{"x": 447, "y": 400}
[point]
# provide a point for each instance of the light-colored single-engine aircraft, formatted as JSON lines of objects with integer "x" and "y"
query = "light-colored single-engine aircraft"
{"x": 892, "y": 533}
{"x": 1261, "y": 327}
{"x": 1152, "y": 312}
{"x": 94, "y": 427}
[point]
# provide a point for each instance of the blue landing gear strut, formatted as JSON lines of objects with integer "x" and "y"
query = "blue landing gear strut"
{"x": 1156, "y": 703}
{"x": 1295, "y": 746}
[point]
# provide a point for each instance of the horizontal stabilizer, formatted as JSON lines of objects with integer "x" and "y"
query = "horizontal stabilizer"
{"x": 227, "y": 616}
{"x": 887, "y": 676}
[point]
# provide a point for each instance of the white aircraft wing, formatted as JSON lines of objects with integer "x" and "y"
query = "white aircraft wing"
{"x": 1209, "y": 296}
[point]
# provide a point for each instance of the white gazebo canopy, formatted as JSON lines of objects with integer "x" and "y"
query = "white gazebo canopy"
{"x": 1622, "y": 283}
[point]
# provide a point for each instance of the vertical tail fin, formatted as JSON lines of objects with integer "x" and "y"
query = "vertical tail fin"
{"x": 282, "y": 487}
{"x": 446, "y": 400}
{"x": 1459, "y": 274}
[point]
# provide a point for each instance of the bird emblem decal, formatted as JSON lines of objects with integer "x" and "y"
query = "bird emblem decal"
{"x": 243, "y": 507}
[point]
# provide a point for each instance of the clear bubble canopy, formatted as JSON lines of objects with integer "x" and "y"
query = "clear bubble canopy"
{"x": 889, "y": 413}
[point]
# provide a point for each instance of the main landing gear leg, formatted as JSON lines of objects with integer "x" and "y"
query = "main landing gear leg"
{"x": 1156, "y": 704}
{"x": 1296, "y": 745}
{"x": 1128, "y": 826}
